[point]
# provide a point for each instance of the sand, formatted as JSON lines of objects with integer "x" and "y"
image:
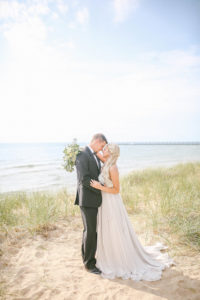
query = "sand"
{"x": 49, "y": 266}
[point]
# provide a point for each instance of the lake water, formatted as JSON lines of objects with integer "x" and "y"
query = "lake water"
{"x": 38, "y": 166}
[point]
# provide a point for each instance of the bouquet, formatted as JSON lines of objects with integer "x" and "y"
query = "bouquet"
{"x": 70, "y": 153}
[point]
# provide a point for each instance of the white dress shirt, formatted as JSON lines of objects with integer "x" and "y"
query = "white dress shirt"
{"x": 94, "y": 155}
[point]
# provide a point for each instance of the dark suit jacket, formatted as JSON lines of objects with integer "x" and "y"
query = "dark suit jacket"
{"x": 87, "y": 169}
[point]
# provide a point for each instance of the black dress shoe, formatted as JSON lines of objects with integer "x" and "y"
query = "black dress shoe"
{"x": 94, "y": 270}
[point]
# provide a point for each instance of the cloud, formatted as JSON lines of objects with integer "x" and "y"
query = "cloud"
{"x": 123, "y": 8}
{"x": 19, "y": 34}
{"x": 82, "y": 15}
{"x": 62, "y": 6}
{"x": 39, "y": 9}
{"x": 18, "y": 10}
{"x": 10, "y": 9}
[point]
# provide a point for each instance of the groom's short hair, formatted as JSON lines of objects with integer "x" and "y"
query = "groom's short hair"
{"x": 100, "y": 136}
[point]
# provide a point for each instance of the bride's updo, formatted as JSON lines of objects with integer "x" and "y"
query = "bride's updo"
{"x": 114, "y": 154}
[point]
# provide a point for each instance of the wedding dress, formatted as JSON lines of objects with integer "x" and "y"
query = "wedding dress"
{"x": 119, "y": 251}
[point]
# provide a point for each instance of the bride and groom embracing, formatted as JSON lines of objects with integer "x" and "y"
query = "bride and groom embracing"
{"x": 110, "y": 247}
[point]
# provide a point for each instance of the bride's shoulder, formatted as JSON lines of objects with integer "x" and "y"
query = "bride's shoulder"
{"x": 114, "y": 168}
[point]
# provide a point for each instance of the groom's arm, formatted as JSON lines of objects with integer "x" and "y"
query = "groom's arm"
{"x": 83, "y": 172}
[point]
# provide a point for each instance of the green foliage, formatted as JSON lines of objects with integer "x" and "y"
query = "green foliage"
{"x": 70, "y": 153}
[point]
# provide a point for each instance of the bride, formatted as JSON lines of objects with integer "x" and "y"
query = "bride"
{"x": 119, "y": 252}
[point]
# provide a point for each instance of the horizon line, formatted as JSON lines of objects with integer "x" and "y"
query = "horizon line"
{"x": 118, "y": 142}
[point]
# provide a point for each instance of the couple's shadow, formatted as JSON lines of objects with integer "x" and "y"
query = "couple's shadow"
{"x": 173, "y": 285}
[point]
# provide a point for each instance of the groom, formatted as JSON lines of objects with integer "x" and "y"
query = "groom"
{"x": 89, "y": 199}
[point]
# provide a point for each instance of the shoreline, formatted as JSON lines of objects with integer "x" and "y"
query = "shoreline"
{"x": 72, "y": 187}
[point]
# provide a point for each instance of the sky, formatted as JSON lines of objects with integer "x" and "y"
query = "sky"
{"x": 127, "y": 68}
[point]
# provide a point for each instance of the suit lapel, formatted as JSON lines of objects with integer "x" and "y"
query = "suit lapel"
{"x": 99, "y": 163}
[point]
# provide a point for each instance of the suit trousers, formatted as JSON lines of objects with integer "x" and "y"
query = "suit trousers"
{"x": 89, "y": 239}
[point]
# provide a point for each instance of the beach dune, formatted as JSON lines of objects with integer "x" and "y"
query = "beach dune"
{"x": 49, "y": 266}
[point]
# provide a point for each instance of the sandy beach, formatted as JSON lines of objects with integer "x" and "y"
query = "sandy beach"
{"x": 49, "y": 266}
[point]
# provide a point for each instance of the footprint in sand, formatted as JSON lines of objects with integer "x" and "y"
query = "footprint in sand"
{"x": 39, "y": 254}
{"x": 186, "y": 286}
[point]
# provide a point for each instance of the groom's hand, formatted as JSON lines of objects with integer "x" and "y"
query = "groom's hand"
{"x": 95, "y": 184}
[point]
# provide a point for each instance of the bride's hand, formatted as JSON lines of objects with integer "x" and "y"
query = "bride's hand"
{"x": 95, "y": 184}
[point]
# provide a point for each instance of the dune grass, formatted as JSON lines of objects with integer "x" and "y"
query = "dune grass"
{"x": 35, "y": 211}
{"x": 168, "y": 199}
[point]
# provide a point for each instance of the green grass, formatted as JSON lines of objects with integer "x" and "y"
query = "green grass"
{"x": 168, "y": 199}
{"x": 35, "y": 211}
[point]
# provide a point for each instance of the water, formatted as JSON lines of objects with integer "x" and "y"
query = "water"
{"x": 39, "y": 166}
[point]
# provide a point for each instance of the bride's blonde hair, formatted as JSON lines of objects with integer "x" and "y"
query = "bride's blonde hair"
{"x": 114, "y": 154}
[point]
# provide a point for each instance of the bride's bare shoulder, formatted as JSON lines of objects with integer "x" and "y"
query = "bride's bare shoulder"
{"x": 114, "y": 168}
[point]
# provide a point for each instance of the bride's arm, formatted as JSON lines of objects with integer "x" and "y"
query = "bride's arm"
{"x": 114, "y": 174}
{"x": 100, "y": 156}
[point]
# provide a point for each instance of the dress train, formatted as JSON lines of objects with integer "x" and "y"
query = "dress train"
{"x": 119, "y": 251}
